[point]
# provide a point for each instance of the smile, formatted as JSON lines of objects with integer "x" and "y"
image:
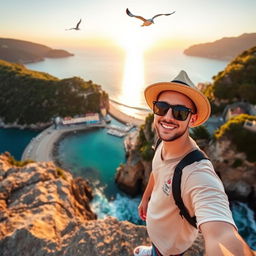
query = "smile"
{"x": 168, "y": 126}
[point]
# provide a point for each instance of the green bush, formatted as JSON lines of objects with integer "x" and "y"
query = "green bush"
{"x": 243, "y": 139}
{"x": 17, "y": 163}
{"x": 144, "y": 146}
{"x": 61, "y": 173}
{"x": 200, "y": 132}
{"x": 238, "y": 162}
{"x": 238, "y": 80}
{"x": 147, "y": 153}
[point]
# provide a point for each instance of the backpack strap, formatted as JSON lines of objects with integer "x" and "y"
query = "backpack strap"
{"x": 190, "y": 158}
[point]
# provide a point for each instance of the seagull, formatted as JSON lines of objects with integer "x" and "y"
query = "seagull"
{"x": 77, "y": 26}
{"x": 146, "y": 22}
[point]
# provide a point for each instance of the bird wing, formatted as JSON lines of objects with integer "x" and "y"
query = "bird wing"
{"x": 135, "y": 16}
{"x": 77, "y": 25}
{"x": 166, "y": 14}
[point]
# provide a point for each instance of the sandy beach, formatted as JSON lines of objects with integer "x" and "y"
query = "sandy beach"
{"x": 42, "y": 146}
{"x": 122, "y": 117}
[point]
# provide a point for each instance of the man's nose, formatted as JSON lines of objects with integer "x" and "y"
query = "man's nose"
{"x": 169, "y": 114}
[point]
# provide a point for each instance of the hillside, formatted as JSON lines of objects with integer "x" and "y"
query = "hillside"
{"x": 30, "y": 97}
{"x": 237, "y": 82}
{"x": 19, "y": 51}
{"x": 224, "y": 49}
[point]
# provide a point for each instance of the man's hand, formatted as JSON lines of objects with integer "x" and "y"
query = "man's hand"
{"x": 222, "y": 239}
{"x": 142, "y": 209}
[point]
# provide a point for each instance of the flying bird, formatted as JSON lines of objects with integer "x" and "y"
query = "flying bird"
{"x": 146, "y": 22}
{"x": 77, "y": 26}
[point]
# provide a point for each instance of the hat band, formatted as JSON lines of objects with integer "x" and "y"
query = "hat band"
{"x": 180, "y": 82}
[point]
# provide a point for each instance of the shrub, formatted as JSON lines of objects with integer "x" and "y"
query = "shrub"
{"x": 238, "y": 162}
{"x": 61, "y": 173}
{"x": 17, "y": 163}
{"x": 146, "y": 151}
{"x": 200, "y": 132}
{"x": 243, "y": 139}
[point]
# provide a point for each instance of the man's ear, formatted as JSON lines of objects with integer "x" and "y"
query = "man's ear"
{"x": 193, "y": 120}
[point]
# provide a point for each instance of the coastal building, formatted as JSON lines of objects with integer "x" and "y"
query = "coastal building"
{"x": 89, "y": 118}
{"x": 250, "y": 125}
{"x": 238, "y": 108}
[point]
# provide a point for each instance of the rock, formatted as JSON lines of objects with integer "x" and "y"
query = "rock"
{"x": 101, "y": 237}
{"x": 129, "y": 176}
{"x": 237, "y": 174}
{"x": 44, "y": 211}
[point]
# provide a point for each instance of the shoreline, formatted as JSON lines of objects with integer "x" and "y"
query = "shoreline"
{"x": 123, "y": 117}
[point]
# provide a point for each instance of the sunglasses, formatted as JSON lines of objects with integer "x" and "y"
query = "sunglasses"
{"x": 179, "y": 112}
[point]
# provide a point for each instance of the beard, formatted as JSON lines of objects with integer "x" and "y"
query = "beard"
{"x": 172, "y": 137}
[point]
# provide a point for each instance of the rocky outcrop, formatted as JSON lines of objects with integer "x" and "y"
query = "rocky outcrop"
{"x": 237, "y": 174}
{"x": 132, "y": 177}
{"x": 44, "y": 211}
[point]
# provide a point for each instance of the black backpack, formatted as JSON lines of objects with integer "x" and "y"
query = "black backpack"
{"x": 194, "y": 156}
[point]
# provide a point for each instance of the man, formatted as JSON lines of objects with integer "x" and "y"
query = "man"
{"x": 177, "y": 106}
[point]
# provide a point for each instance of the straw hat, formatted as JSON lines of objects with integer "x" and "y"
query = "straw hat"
{"x": 184, "y": 85}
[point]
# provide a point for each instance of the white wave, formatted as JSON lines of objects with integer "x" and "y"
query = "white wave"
{"x": 122, "y": 207}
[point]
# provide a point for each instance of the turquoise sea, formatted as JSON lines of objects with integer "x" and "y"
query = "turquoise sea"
{"x": 15, "y": 140}
{"x": 95, "y": 155}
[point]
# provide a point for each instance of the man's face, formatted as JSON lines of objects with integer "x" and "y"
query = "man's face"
{"x": 167, "y": 127}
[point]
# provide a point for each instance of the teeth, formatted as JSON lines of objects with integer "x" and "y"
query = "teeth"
{"x": 167, "y": 126}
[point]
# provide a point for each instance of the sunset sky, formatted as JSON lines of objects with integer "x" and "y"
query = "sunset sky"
{"x": 105, "y": 21}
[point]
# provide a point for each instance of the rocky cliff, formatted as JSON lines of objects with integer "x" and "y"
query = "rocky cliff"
{"x": 237, "y": 173}
{"x": 44, "y": 211}
{"x": 132, "y": 177}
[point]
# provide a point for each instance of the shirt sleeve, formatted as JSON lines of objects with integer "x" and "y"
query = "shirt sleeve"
{"x": 204, "y": 194}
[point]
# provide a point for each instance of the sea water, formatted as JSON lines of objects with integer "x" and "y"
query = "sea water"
{"x": 108, "y": 68}
{"x": 15, "y": 141}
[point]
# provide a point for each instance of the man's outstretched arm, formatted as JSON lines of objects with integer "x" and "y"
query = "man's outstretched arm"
{"x": 222, "y": 239}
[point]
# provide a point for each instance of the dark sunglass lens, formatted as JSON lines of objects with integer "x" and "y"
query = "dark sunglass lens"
{"x": 180, "y": 113}
{"x": 161, "y": 108}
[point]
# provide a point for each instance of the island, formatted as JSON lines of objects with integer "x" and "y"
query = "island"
{"x": 23, "y": 52}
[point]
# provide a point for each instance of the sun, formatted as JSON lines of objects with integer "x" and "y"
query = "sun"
{"x": 138, "y": 38}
